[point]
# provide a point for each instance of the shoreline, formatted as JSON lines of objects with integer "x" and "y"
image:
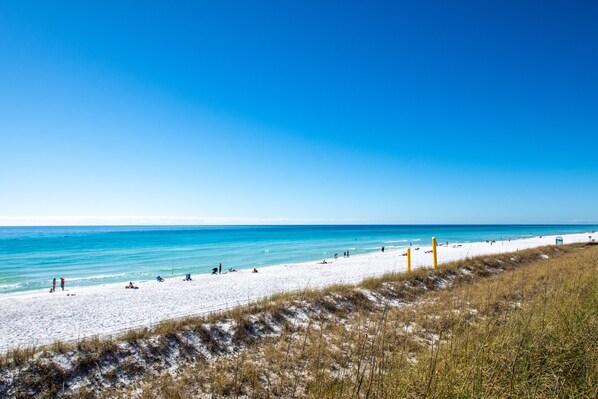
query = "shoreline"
{"x": 96, "y": 255}
{"x": 38, "y": 318}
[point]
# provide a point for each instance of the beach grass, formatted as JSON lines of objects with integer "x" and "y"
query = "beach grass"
{"x": 513, "y": 325}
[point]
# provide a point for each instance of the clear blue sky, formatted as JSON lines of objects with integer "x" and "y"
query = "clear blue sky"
{"x": 300, "y": 111}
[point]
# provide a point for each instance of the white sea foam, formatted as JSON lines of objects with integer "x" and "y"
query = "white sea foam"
{"x": 9, "y": 286}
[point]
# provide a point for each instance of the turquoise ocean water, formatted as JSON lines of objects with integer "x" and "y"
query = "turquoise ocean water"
{"x": 31, "y": 256}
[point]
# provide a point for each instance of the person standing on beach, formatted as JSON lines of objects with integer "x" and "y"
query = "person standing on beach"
{"x": 383, "y": 248}
{"x": 54, "y": 284}
{"x": 220, "y": 268}
{"x": 62, "y": 282}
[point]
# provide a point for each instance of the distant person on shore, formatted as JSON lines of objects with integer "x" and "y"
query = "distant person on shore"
{"x": 159, "y": 279}
{"x": 215, "y": 270}
{"x": 53, "y": 285}
{"x": 382, "y": 248}
{"x": 335, "y": 256}
{"x": 254, "y": 270}
{"x": 345, "y": 254}
{"x": 131, "y": 286}
{"x": 188, "y": 277}
{"x": 220, "y": 268}
{"x": 230, "y": 270}
{"x": 62, "y": 282}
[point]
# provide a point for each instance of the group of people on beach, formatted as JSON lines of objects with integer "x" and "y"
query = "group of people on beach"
{"x": 345, "y": 255}
{"x": 62, "y": 283}
{"x": 160, "y": 279}
{"x": 218, "y": 270}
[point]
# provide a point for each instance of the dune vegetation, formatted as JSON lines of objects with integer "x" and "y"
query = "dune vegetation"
{"x": 518, "y": 325}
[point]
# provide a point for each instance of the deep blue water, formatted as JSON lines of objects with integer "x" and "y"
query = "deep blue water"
{"x": 31, "y": 256}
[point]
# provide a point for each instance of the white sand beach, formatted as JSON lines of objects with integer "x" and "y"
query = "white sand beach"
{"x": 40, "y": 318}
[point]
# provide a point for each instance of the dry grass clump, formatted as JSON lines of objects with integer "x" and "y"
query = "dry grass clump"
{"x": 17, "y": 357}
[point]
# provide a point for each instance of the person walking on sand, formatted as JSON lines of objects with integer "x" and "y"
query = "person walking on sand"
{"x": 62, "y": 282}
{"x": 220, "y": 268}
{"x": 54, "y": 284}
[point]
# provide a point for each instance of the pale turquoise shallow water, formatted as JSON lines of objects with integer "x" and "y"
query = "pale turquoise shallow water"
{"x": 31, "y": 256}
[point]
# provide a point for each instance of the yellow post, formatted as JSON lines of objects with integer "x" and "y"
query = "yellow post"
{"x": 409, "y": 260}
{"x": 434, "y": 252}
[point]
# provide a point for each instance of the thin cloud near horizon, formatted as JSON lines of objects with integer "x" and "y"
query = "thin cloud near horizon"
{"x": 9, "y": 221}
{"x": 42, "y": 221}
